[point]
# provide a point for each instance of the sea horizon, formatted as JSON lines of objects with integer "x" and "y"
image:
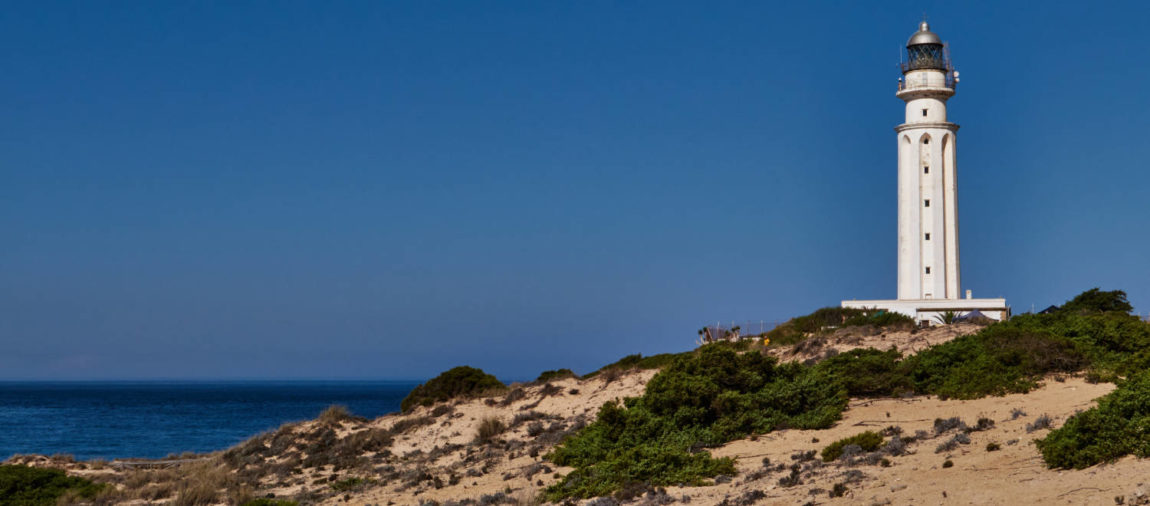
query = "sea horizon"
{"x": 133, "y": 418}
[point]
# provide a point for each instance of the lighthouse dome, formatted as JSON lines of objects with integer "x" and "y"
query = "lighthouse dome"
{"x": 923, "y": 36}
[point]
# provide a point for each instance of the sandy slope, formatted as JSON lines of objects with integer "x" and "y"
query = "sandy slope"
{"x": 1014, "y": 474}
{"x": 436, "y": 458}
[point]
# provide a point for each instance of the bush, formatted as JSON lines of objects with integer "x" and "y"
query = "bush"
{"x": 460, "y": 381}
{"x": 1113, "y": 429}
{"x": 553, "y": 375}
{"x": 700, "y": 400}
{"x": 868, "y": 372}
{"x": 1113, "y": 341}
{"x": 839, "y": 490}
{"x": 489, "y": 428}
{"x": 638, "y": 361}
{"x": 336, "y": 414}
{"x": 943, "y": 425}
{"x": 1042, "y": 422}
{"x": 348, "y": 484}
{"x": 31, "y": 486}
{"x": 799, "y": 328}
{"x": 953, "y": 442}
{"x": 869, "y": 441}
{"x": 998, "y": 360}
{"x": 1095, "y": 300}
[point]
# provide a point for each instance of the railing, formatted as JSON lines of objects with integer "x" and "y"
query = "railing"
{"x": 923, "y": 81}
{"x": 735, "y": 331}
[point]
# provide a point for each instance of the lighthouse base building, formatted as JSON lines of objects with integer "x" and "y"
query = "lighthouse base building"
{"x": 928, "y": 273}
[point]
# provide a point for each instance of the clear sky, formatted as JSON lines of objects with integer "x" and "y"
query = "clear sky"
{"x": 388, "y": 189}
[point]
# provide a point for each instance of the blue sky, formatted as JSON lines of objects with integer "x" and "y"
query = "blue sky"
{"x": 386, "y": 189}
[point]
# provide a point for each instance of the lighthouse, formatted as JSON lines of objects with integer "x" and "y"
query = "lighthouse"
{"x": 928, "y": 268}
{"x": 927, "y": 193}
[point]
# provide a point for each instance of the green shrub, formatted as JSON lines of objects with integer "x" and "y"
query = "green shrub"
{"x": 869, "y": 441}
{"x": 879, "y": 318}
{"x": 1113, "y": 341}
{"x": 32, "y": 486}
{"x": 798, "y": 328}
{"x": 715, "y": 394}
{"x": 1095, "y": 300}
{"x": 638, "y": 361}
{"x": 553, "y": 375}
{"x": 1117, "y": 427}
{"x": 998, "y": 360}
{"x": 801, "y": 327}
{"x": 839, "y": 490}
{"x": 460, "y": 381}
{"x": 868, "y": 372}
{"x": 348, "y": 484}
{"x": 700, "y": 400}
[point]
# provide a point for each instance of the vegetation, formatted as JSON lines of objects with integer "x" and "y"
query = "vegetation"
{"x": 556, "y": 374}
{"x": 947, "y": 317}
{"x": 1095, "y": 300}
{"x": 868, "y": 372}
{"x": 726, "y": 391}
{"x": 1007, "y": 357}
{"x": 462, "y": 381}
{"x": 702, "y": 399}
{"x": 998, "y": 360}
{"x": 869, "y": 441}
{"x": 827, "y": 318}
{"x": 348, "y": 484}
{"x": 638, "y": 361}
{"x": 32, "y": 486}
{"x": 489, "y": 428}
{"x": 1113, "y": 429}
{"x": 337, "y": 414}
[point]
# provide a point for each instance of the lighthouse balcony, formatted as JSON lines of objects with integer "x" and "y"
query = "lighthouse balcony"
{"x": 928, "y": 82}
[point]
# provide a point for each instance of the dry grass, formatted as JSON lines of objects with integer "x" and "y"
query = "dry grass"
{"x": 202, "y": 483}
{"x": 335, "y": 415}
{"x": 489, "y": 428}
{"x": 611, "y": 375}
{"x": 410, "y": 423}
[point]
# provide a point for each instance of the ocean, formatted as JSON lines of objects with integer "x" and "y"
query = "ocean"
{"x": 154, "y": 419}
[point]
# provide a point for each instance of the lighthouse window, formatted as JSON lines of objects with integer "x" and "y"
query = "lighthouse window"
{"x": 924, "y": 115}
{"x": 926, "y": 140}
{"x": 926, "y": 170}
{"x": 927, "y": 202}
{"x": 928, "y": 237}
{"x": 928, "y": 270}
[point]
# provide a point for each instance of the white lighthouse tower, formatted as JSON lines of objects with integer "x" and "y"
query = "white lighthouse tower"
{"x": 927, "y": 197}
{"x": 928, "y": 269}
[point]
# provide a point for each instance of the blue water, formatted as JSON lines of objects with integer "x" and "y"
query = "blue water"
{"x": 154, "y": 419}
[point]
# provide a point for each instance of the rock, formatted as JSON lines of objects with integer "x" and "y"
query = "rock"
{"x": 896, "y": 488}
